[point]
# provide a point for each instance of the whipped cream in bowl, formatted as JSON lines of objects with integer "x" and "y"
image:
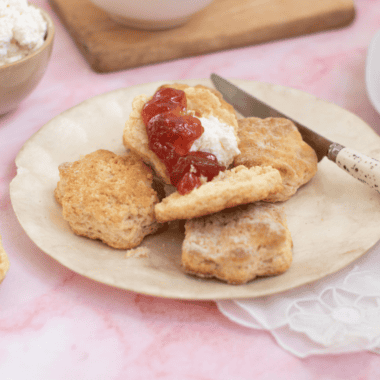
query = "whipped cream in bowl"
{"x": 22, "y": 30}
{"x": 26, "y": 42}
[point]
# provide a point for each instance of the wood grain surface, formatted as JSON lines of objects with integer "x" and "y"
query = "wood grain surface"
{"x": 224, "y": 24}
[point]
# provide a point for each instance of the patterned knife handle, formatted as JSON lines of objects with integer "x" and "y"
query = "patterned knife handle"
{"x": 361, "y": 167}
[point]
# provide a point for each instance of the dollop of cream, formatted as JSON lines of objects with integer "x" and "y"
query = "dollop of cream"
{"x": 219, "y": 139}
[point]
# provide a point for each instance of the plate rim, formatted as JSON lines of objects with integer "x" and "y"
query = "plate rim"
{"x": 161, "y": 294}
{"x": 370, "y": 66}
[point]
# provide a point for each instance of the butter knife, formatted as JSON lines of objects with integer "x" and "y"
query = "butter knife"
{"x": 361, "y": 167}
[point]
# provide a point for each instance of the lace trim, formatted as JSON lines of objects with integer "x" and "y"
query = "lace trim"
{"x": 337, "y": 315}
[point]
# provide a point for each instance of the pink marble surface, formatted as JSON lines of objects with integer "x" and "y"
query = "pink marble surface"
{"x": 55, "y": 324}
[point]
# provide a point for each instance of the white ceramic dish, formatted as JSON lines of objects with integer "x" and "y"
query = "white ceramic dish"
{"x": 153, "y": 14}
{"x": 372, "y": 73}
{"x": 334, "y": 219}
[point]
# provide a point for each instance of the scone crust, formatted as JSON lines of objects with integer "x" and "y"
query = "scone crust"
{"x": 4, "y": 262}
{"x": 108, "y": 197}
{"x": 239, "y": 244}
{"x": 230, "y": 188}
{"x": 278, "y": 143}
{"x": 201, "y": 101}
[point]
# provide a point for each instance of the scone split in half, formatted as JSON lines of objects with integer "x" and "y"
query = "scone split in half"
{"x": 230, "y": 188}
{"x": 200, "y": 104}
{"x": 205, "y": 194}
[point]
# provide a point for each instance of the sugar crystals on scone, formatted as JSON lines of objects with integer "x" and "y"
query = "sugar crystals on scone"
{"x": 278, "y": 143}
{"x": 108, "y": 197}
{"x": 237, "y": 245}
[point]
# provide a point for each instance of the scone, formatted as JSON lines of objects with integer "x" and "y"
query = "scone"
{"x": 239, "y": 244}
{"x": 202, "y": 102}
{"x": 108, "y": 197}
{"x": 4, "y": 262}
{"x": 230, "y": 188}
{"x": 278, "y": 143}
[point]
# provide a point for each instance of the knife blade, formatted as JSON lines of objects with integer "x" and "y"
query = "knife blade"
{"x": 363, "y": 168}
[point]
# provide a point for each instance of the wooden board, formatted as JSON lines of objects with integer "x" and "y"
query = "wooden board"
{"x": 224, "y": 24}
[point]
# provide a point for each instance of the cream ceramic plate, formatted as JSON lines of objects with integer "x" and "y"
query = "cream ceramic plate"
{"x": 372, "y": 72}
{"x": 333, "y": 220}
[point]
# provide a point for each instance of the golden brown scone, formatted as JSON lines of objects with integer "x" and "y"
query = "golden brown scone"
{"x": 230, "y": 188}
{"x": 108, "y": 197}
{"x": 4, "y": 262}
{"x": 202, "y": 104}
{"x": 200, "y": 100}
{"x": 278, "y": 143}
{"x": 239, "y": 244}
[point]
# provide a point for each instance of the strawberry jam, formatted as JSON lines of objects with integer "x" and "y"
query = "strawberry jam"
{"x": 164, "y": 100}
{"x": 171, "y": 133}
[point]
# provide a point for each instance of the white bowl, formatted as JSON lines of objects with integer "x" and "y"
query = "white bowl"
{"x": 372, "y": 74}
{"x": 152, "y": 14}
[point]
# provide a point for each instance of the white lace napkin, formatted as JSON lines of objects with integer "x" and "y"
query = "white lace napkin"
{"x": 338, "y": 314}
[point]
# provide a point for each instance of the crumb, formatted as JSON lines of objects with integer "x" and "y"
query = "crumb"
{"x": 138, "y": 252}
